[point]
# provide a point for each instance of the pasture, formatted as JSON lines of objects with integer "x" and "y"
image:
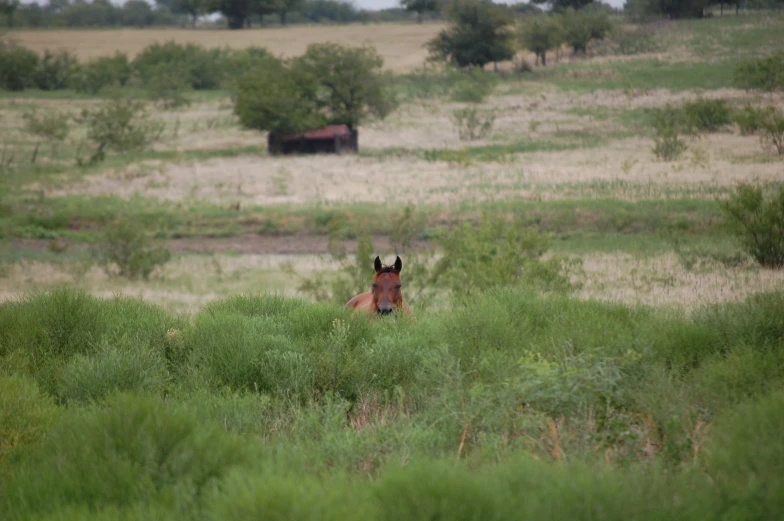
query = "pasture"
{"x": 619, "y": 356}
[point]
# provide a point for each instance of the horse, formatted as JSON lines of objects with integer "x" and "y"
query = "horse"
{"x": 385, "y": 296}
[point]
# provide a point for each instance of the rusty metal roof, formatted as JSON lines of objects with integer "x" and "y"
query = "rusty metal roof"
{"x": 328, "y": 132}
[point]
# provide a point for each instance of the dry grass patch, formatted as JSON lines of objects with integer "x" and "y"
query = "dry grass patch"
{"x": 401, "y": 45}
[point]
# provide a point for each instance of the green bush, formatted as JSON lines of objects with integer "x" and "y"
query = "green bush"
{"x": 474, "y": 87}
{"x": 121, "y": 125}
{"x": 471, "y": 125}
{"x": 707, "y": 115}
{"x": 541, "y": 34}
{"x": 124, "y": 365}
{"x": 56, "y": 70}
{"x": 761, "y": 73}
{"x": 126, "y": 250}
{"x": 18, "y": 66}
{"x": 745, "y": 458}
{"x": 131, "y": 450}
{"x": 758, "y": 219}
{"x": 639, "y": 41}
{"x": 669, "y": 124}
{"x": 238, "y": 63}
{"x": 166, "y": 85}
{"x": 201, "y": 68}
{"x": 496, "y": 253}
{"x": 104, "y": 72}
{"x": 583, "y": 26}
{"x": 749, "y": 120}
{"x": 25, "y": 413}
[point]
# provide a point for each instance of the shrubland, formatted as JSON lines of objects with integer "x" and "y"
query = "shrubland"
{"x": 500, "y": 407}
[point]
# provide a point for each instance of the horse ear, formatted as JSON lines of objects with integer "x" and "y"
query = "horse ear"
{"x": 377, "y": 264}
{"x": 398, "y": 264}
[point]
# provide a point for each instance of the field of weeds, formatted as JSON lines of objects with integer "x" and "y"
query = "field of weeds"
{"x": 591, "y": 338}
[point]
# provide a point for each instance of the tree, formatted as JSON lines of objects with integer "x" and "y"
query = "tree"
{"x": 283, "y": 7}
{"x": 328, "y": 84}
{"x": 238, "y": 12}
{"x": 421, "y": 6}
{"x": 560, "y": 5}
{"x": 193, "y": 8}
{"x": 348, "y": 83}
{"x": 673, "y": 9}
{"x": 540, "y": 34}
{"x": 480, "y": 34}
{"x": 8, "y": 8}
{"x": 580, "y": 27}
{"x": 137, "y": 13}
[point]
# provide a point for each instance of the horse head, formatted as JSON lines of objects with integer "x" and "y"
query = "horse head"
{"x": 386, "y": 287}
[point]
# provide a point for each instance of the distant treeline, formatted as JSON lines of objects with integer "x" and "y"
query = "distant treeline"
{"x": 236, "y": 13}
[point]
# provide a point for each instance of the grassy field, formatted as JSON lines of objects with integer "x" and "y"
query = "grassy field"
{"x": 401, "y": 45}
{"x": 590, "y": 340}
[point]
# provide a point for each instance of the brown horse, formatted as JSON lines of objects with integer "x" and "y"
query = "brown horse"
{"x": 385, "y": 297}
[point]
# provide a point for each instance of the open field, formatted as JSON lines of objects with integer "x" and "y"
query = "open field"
{"x": 401, "y": 45}
{"x": 590, "y": 339}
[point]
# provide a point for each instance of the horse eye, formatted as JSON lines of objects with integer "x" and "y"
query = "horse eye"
{"x": 397, "y": 287}
{"x": 375, "y": 286}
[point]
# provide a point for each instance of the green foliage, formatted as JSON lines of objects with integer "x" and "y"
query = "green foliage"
{"x": 745, "y": 455}
{"x": 765, "y": 73}
{"x": 104, "y": 72}
{"x": 771, "y": 129}
{"x": 581, "y": 27}
{"x": 121, "y": 125}
{"x": 421, "y": 6}
{"x": 749, "y": 119}
{"x": 474, "y": 88}
{"x": 759, "y": 221}
{"x": 123, "y": 365}
{"x": 540, "y": 34}
{"x": 636, "y": 41}
{"x": 51, "y": 126}
{"x": 471, "y": 124}
{"x": 200, "y": 68}
{"x": 132, "y": 450}
{"x": 25, "y": 414}
{"x": 480, "y": 34}
{"x": 273, "y": 98}
{"x": 496, "y": 253}
{"x": 672, "y": 9}
{"x": 707, "y": 115}
{"x": 56, "y": 70}
{"x": 669, "y": 124}
{"x": 126, "y": 250}
{"x": 18, "y": 66}
{"x": 345, "y": 82}
{"x": 166, "y": 84}
{"x": 236, "y": 64}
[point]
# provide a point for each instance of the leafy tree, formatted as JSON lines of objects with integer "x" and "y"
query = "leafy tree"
{"x": 421, "y": 6}
{"x": 673, "y": 9}
{"x": 283, "y": 7}
{"x": 759, "y": 222}
{"x": 580, "y": 27}
{"x": 238, "y": 12}
{"x": 274, "y": 98}
{"x": 137, "y": 13}
{"x": 193, "y": 8}
{"x": 348, "y": 83}
{"x": 480, "y": 34}
{"x": 8, "y": 8}
{"x": 540, "y": 34}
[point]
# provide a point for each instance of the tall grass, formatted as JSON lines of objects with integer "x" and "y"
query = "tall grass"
{"x": 511, "y": 405}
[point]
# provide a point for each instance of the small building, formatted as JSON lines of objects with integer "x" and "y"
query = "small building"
{"x": 332, "y": 139}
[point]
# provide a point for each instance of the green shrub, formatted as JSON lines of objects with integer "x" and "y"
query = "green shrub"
{"x": 435, "y": 490}
{"x": 56, "y": 70}
{"x": 124, "y": 365}
{"x": 25, "y": 413}
{"x": 126, "y": 250}
{"x": 745, "y": 457}
{"x": 761, "y": 73}
{"x": 540, "y": 34}
{"x": 759, "y": 222}
{"x": 132, "y": 450}
{"x": 248, "y": 354}
{"x": 104, "y": 72}
{"x": 639, "y": 41}
{"x": 201, "y": 68}
{"x": 166, "y": 84}
{"x": 121, "y": 125}
{"x": 583, "y": 26}
{"x": 237, "y": 63}
{"x": 18, "y": 66}
{"x": 771, "y": 129}
{"x": 749, "y": 120}
{"x": 496, "y": 253}
{"x": 707, "y": 115}
{"x": 669, "y": 123}
{"x": 474, "y": 87}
